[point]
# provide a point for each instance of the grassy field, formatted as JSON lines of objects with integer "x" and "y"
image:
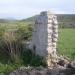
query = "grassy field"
{"x": 66, "y": 43}
{"x": 21, "y": 31}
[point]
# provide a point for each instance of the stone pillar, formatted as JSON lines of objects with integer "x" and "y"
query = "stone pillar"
{"x": 52, "y": 56}
{"x": 45, "y": 35}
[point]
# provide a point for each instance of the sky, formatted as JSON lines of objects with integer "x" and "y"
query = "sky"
{"x": 21, "y": 9}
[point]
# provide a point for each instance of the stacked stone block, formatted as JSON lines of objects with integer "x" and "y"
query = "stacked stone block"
{"x": 45, "y": 35}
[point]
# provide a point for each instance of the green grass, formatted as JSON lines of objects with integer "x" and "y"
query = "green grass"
{"x": 66, "y": 43}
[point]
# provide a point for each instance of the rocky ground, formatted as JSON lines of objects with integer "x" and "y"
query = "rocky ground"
{"x": 62, "y": 67}
{"x": 56, "y": 71}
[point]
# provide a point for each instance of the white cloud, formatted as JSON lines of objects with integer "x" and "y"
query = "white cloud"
{"x": 6, "y": 1}
{"x": 26, "y": 8}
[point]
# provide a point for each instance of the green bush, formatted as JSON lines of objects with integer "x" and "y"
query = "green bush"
{"x": 5, "y": 68}
{"x": 2, "y": 74}
{"x": 29, "y": 58}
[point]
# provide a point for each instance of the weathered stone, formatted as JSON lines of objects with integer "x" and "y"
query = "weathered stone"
{"x": 45, "y": 71}
{"x": 48, "y": 73}
{"x": 73, "y": 64}
{"x": 45, "y": 37}
{"x": 45, "y": 34}
{"x": 38, "y": 73}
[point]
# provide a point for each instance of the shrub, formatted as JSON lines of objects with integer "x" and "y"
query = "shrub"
{"x": 29, "y": 58}
{"x": 5, "y": 69}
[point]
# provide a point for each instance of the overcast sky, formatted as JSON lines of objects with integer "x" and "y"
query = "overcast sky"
{"x": 19, "y": 9}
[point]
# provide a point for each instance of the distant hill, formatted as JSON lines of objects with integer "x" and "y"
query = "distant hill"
{"x": 7, "y": 20}
{"x": 30, "y": 19}
{"x": 65, "y": 20}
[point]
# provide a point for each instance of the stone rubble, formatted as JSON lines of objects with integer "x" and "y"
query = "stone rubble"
{"x": 44, "y": 71}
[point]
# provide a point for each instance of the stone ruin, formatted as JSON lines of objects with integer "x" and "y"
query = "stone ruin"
{"x": 43, "y": 71}
{"x": 45, "y": 36}
{"x": 44, "y": 43}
